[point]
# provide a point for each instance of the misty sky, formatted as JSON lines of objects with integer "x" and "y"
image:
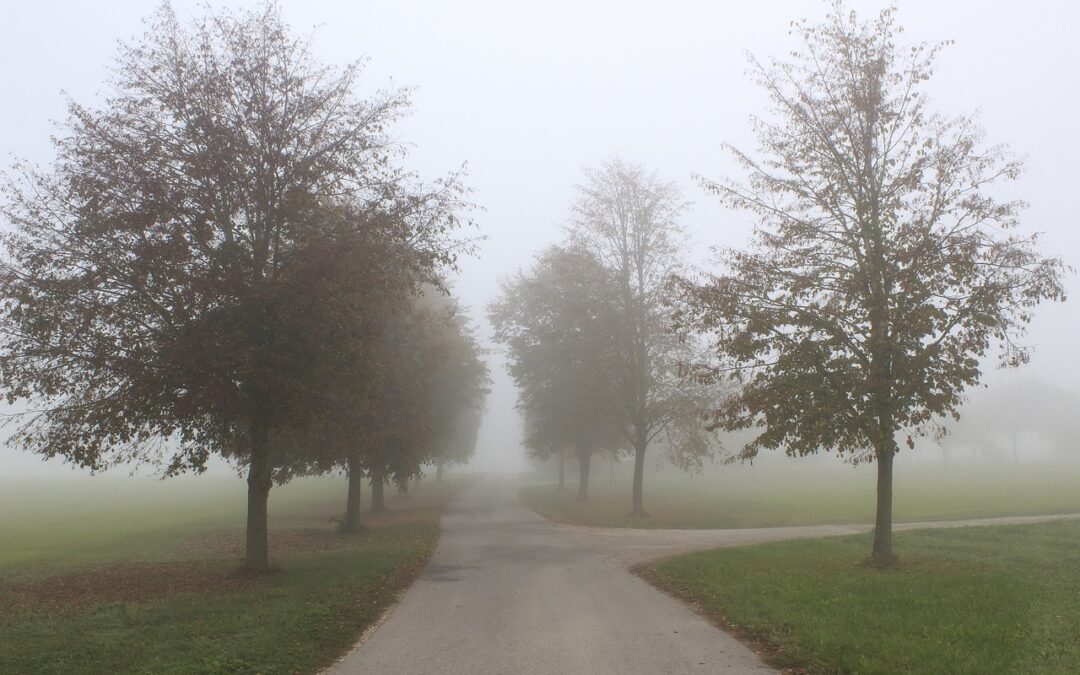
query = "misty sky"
{"x": 530, "y": 92}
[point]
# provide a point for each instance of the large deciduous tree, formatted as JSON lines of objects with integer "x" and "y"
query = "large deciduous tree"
{"x": 559, "y": 327}
{"x": 628, "y": 219}
{"x": 885, "y": 264}
{"x": 172, "y": 283}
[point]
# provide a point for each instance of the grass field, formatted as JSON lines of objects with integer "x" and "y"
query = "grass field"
{"x": 788, "y": 494}
{"x": 139, "y": 576}
{"x": 967, "y": 600}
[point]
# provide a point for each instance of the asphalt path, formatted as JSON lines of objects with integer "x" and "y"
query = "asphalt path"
{"x": 509, "y": 592}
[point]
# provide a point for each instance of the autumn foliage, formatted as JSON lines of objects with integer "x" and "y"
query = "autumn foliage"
{"x": 884, "y": 267}
{"x": 216, "y": 242}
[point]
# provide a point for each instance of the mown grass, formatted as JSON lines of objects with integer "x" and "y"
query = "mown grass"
{"x": 965, "y": 600}
{"x": 137, "y": 579}
{"x": 787, "y": 495}
{"x": 49, "y": 526}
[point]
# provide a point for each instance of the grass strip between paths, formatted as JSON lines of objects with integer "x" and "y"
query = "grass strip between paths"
{"x": 740, "y": 497}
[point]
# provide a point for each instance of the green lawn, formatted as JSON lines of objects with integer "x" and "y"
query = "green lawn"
{"x": 967, "y": 600}
{"x": 787, "y": 494}
{"x": 138, "y": 576}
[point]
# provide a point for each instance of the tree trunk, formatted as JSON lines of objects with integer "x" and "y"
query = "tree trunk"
{"x": 584, "y": 461}
{"x": 257, "y": 551}
{"x": 880, "y": 290}
{"x": 562, "y": 469}
{"x": 882, "y": 554}
{"x": 378, "y": 480}
{"x": 438, "y": 471}
{"x": 351, "y": 522}
{"x": 640, "y": 444}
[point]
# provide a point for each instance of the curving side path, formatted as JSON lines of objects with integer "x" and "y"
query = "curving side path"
{"x": 624, "y": 547}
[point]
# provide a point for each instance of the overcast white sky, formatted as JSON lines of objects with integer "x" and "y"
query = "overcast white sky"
{"x": 529, "y": 92}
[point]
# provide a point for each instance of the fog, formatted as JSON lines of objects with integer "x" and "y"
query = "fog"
{"x": 527, "y": 94}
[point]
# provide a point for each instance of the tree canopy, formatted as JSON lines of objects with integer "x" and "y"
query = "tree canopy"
{"x": 885, "y": 266}
{"x": 559, "y": 328}
{"x": 174, "y": 277}
{"x": 628, "y": 219}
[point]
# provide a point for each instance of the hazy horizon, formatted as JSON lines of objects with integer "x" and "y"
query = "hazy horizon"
{"x": 528, "y": 95}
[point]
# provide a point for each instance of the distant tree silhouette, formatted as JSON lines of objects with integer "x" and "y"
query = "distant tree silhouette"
{"x": 558, "y": 326}
{"x": 628, "y": 219}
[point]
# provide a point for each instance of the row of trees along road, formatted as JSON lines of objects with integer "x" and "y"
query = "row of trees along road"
{"x": 884, "y": 269}
{"x": 226, "y": 258}
{"x": 885, "y": 266}
{"x": 420, "y": 400}
{"x": 590, "y": 342}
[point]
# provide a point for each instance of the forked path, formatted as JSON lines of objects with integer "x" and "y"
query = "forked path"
{"x": 509, "y": 592}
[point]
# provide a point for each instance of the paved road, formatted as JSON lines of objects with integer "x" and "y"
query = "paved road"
{"x": 509, "y": 592}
